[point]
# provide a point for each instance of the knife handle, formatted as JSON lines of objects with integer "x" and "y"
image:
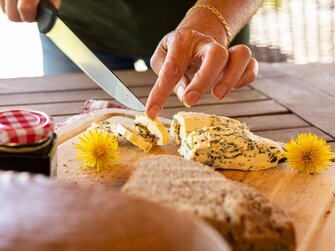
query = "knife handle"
{"x": 46, "y": 16}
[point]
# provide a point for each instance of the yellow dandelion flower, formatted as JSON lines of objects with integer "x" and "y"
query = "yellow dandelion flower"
{"x": 98, "y": 150}
{"x": 308, "y": 154}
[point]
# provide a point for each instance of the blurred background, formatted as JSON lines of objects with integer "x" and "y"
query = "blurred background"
{"x": 296, "y": 31}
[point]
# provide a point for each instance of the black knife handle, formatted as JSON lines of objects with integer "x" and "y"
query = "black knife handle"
{"x": 46, "y": 16}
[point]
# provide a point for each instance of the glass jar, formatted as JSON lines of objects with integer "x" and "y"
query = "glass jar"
{"x": 27, "y": 142}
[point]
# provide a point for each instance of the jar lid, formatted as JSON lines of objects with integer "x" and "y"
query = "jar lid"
{"x": 24, "y": 126}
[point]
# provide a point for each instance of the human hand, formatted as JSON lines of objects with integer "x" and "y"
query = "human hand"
{"x": 192, "y": 63}
{"x": 23, "y": 10}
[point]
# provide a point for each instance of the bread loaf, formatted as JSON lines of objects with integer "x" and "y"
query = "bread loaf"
{"x": 242, "y": 215}
{"x": 38, "y": 214}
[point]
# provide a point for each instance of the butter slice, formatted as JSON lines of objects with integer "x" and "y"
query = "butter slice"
{"x": 107, "y": 125}
{"x": 152, "y": 130}
{"x": 133, "y": 137}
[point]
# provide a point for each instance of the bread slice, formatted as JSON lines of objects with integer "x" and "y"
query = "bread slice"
{"x": 133, "y": 137}
{"x": 246, "y": 219}
{"x": 152, "y": 130}
{"x": 40, "y": 214}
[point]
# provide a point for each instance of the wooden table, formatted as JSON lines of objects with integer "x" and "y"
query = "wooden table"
{"x": 284, "y": 101}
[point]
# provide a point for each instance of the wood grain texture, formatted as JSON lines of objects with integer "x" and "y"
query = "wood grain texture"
{"x": 74, "y": 81}
{"x": 332, "y": 145}
{"x": 234, "y": 110}
{"x": 98, "y": 94}
{"x": 273, "y": 122}
{"x": 268, "y": 71}
{"x": 306, "y": 198}
{"x": 233, "y": 97}
{"x": 65, "y": 95}
{"x": 70, "y": 81}
{"x": 315, "y": 106}
{"x": 68, "y": 167}
{"x": 56, "y": 109}
{"x": 320, "y": 76}
{"x": 226, "y": 109}
{"x": 285, "y": 135}
{"x": 323, "y": 240}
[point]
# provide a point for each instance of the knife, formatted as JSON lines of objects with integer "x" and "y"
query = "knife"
{"x": 52, "y": 26}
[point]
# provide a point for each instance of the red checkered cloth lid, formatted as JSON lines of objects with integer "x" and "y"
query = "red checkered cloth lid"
{"x": 24, "y": 126}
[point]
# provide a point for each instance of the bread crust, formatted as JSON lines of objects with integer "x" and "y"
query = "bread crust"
{"x": 246, "y": 219}
{"x": 39, "y": 214}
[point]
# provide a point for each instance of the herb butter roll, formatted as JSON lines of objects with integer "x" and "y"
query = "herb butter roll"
{"x": 230, "y": 148}
{"x": 184, "y": 123}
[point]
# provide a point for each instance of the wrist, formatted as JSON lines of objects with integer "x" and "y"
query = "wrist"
{"x": 205, "y": 21}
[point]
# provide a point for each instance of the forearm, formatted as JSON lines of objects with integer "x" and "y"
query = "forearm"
{"x": 236, "y": 13}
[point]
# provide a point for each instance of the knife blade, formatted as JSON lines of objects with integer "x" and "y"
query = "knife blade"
{"x": 52, "y": 26}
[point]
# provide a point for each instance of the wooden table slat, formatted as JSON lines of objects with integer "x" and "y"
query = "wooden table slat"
{"x": 273, "y": 122}
{"x": 313, "y": 105}
{"x": 68, "y": 108}
{"x": 332, "y": 145}
{"x": 268, "y": 71}
{"x": 75, "y": 81}
{"x": 142, "y": 92}
{"x": 208, "y": 99}
{"x": 240, "y": 109}
{"x": 285, "y": 135}
{"x": 70, "y": 81}
{"x": 234, "y": 110}
{"x": 320, "y": 76}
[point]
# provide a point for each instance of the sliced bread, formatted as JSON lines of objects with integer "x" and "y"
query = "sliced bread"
{"x": 246, "y": 219}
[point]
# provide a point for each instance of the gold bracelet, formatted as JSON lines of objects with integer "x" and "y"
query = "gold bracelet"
{"x": 217, "y": 13}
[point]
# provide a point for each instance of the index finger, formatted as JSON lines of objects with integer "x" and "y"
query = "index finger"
{"x": 175, "y": 65}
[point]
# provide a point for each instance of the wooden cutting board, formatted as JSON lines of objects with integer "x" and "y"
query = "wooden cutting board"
{"x": 306, "y": 198}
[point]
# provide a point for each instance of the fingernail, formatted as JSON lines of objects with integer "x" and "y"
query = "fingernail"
{"x": 153, "y": 111}
{"x": 190, "y": 98}
{"x": 220, "y": 91}
{"x": 180, "y": 91}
